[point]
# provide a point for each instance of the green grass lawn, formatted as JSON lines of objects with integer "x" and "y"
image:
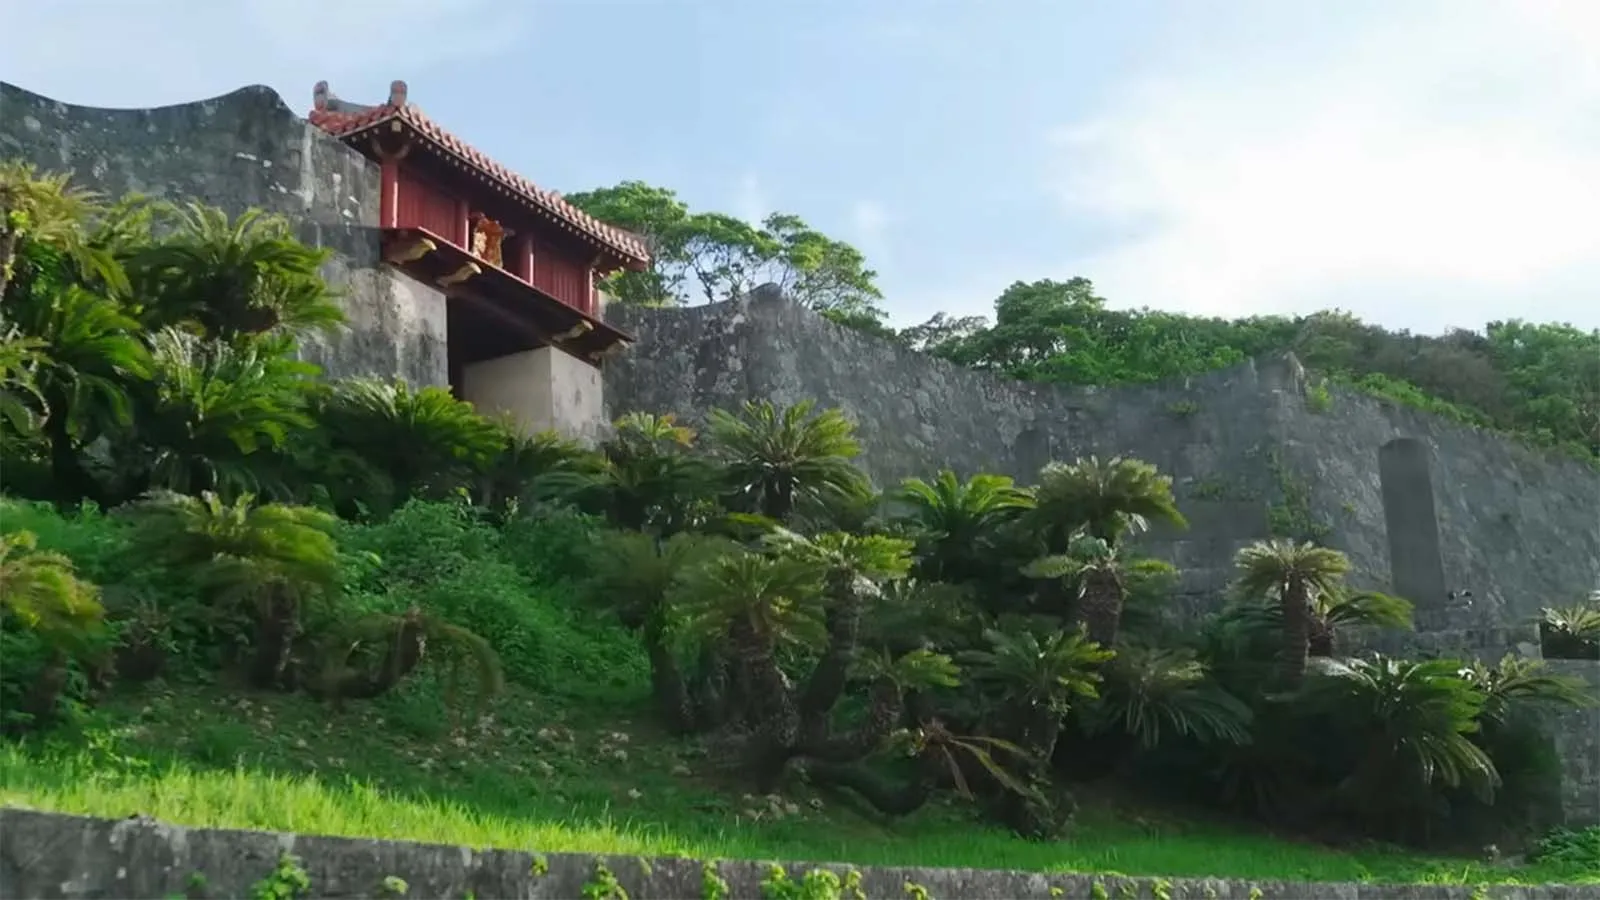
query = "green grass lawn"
{"x": 585, "y": 777}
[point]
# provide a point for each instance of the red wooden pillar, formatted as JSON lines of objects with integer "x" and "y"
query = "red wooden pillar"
{"x": 463, "y": 227}
{"x": 519, "y": 257}
{"x": 588, "y": 289}
{"x": 389, "y": 196}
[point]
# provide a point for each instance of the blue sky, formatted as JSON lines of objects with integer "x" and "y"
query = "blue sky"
{"x": 1423, "y": 163}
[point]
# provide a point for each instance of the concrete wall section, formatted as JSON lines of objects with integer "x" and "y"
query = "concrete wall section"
{"x": 543, "y": 389}
{"x": 242, "y": 150}
{"x": 44, "y": 855}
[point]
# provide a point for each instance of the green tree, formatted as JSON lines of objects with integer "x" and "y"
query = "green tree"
{"x": 265, "y": 561}
{"x": 960, "y": 525}
{"x": 757, "y": 603}
{"x": 1296, "y": 576}
{"x": 213, "y": 415}
{"x": 636, "y": 575}
{"x": 42, "y": 595}
{"x": 1041, "y": 674}
{"x": 422, "y": 441}
{"x": 1100, "y": 577}
{"x": 1413, "y": 725}
{"x": 47, "y": 210}
{"x": 649, "y": 479}
{"x": 1110, "y": 499}
{"x": 232, "y": 277}
{"x": 718, "y": 257}
{"x": 777, "y": 457}
{"x": 853, "y": 569}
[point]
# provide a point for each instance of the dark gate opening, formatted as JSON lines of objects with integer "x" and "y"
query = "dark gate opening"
{"x": 1416, "y": 560}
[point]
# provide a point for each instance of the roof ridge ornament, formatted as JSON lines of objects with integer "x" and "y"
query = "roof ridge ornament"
{"x": 397, "y": 94}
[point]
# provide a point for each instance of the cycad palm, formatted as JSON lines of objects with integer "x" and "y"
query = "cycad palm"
{"x": 1041, "y": 674}
{"x": 243, "y": 276}
{"x": 1413, "y": 722}
{"x": 267, "y": 560}
{"x": 647, "y": 477}
{"x": 1110, "y": 499}
{"x": 776, "y": 457}
{"x": 958, "y": 523}
{"x": 1150, "y": 693}
{"x": 635, "y": 575}
{"x": 1101, "y": 577}
{"x": 47, "y": 209}
{"x": 853, "y": 567}
{"x": 757, "y": 602}
{"x": 1516, "y": 684}
{"x": 215, "y": 410}
{"x": 87, "y": 352}
{"x": 515, "y": 472}
{"x": 20, "y": 399}
{"x": 890, "y": 677}
{"x": 41, "y": 593}
{"x": 1331, "y": 613}
{"x": 1297, "y": 576}
{"x": 1572, "y": 632}
{"x": 420, "y": 439}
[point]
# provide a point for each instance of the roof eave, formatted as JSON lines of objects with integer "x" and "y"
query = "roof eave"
{"x": 631, "y": 260}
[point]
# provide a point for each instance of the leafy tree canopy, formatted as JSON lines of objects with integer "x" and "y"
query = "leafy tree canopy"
{"x": 714, "y": 256}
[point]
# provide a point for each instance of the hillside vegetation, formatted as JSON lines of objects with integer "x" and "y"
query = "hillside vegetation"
{"x": 1540, "y": 382}
{"x": 234, "y": 593}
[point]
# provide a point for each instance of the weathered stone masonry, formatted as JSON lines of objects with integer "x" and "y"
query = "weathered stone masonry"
{"x": 248, "y": 150}
{"x": 1512, "y": 529}
{"x": 43, "y": 855}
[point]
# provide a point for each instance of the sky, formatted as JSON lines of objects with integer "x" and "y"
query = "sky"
{"x": 1424, "y": 164}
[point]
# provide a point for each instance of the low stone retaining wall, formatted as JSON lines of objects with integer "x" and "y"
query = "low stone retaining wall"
{"x": 46, "y": 855}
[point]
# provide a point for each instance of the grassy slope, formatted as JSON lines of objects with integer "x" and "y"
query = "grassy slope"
{"x": 547, "y": 776}
{"x": 572, "y": 766}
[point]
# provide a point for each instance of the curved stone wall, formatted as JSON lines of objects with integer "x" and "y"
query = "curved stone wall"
{"x": 241, "y": 150}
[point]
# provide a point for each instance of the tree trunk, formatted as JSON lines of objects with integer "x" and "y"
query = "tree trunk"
{"x": 667, "y": 684}
{"x": 714, "y": 692}
{"x": 1320, "y": 637}
{"x": 8, "y": 256}
{"x": 886, "y": 797}
{"x": 73, "y": 482}
{"x": 772, "y": 716}
{"x": 1041, "y": 731}
{"x": 404, "y": 653}
{"x": 1100, "y": 608}
{"x": 883, "y": 715}
{"x": 277, "y": 625}
{"x": 1296, "y": 631}
{"x": 42, "y": 701}
{"x": 828, "y": 679}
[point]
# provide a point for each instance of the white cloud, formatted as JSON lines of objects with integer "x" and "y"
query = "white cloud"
{"x": 148, "y": 52}
{"x": 1441, "y": 170}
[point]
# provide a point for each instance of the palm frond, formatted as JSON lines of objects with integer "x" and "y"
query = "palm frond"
{"x": 42, "y": 591}
{"x": 1151, "y": 693}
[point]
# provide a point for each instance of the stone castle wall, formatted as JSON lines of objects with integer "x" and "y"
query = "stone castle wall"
{"x": 240, "y": 151}
{"x": 1517, "y": 528}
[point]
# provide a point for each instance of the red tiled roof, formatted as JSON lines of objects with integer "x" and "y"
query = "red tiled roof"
{"x": 347, "y": 124}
